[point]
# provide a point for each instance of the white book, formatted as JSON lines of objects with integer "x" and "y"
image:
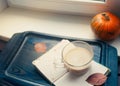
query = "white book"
{"x": 51, "y": 66}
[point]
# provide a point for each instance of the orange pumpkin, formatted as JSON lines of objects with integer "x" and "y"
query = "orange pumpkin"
{"x": 106, "y": 26}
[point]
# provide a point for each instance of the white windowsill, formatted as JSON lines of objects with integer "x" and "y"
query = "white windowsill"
{"x": 16, "y": 20}
{"x": 13, "y": 20}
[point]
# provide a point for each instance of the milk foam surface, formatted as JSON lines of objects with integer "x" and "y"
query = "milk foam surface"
{"x": 78, "y": 56}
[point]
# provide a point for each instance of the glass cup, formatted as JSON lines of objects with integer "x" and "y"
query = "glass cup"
{"x": 77, "y": 57}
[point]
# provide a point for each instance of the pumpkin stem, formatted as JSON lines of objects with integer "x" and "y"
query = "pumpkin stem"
{"x": 106, "y": 16}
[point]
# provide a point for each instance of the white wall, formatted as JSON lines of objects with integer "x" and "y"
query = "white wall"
{"x": 3, "y": 5}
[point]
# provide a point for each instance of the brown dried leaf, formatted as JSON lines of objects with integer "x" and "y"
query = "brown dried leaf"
{"x": 97, "y": 79}
{"x": 40, "y": 47}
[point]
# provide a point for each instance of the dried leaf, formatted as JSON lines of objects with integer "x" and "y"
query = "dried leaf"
{"x": 97, "y": 79}
{"x": 40, "y": 47}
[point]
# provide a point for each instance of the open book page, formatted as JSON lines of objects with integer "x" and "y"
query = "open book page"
{"x": 73, "y": 80}
{"x": 51, "y": 66}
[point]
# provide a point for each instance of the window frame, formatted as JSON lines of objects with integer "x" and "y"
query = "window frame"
{"x": 65, "y": 6}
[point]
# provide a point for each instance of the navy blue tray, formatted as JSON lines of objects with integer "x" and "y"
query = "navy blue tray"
{"x": 16, "y": 59}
